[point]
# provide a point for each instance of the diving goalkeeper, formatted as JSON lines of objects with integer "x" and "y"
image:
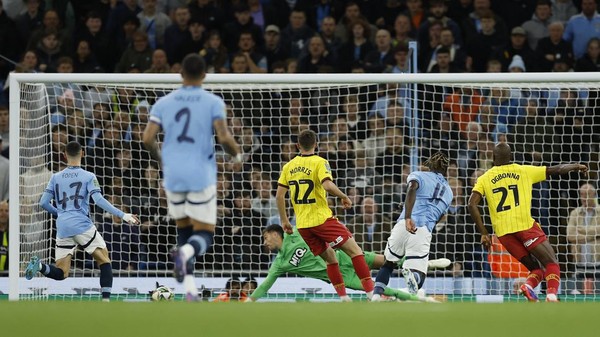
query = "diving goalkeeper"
{"x": 294, "y": 256}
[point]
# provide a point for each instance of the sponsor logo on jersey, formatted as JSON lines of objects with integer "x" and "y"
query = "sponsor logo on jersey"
{"x": 297, "y": 257}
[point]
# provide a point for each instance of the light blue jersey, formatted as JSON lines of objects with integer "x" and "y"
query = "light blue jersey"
{"x": 71, "y": 189}
{"x": 186, "y": 116}
{"x": 434, "y": 196}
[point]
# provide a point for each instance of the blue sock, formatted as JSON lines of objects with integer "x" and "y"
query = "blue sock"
{"x": 183, "y": 235}
{"x": 201, "y": 241}
{"x": 50, "y": 271}
{"x": 382, "y": 279}
{"x": 106, "y": 279}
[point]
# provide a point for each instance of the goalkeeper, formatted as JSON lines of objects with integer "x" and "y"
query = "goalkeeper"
{"x": 294, "y": 256}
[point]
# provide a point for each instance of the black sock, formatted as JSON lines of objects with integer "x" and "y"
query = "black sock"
{"x": 106, "y": 280}
{"x": 183, "y": 235}
{"x": 201, "y": 241}
{"x": 383, "y": 278}
{"x": 50, "y": 271}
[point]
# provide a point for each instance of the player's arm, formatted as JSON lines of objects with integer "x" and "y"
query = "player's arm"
{"x": 149, "y": 139}
{"x": 107, "y": 206}
{"x": 45, "y": 203}
{"x": 411, "y": 197}
{"x": 564, "y": 169}
{"x": 332, "y": 189}
{"x": 474, "y": 201}
{"x": 226, "y": 140}
{"x": 264, "y": 287}
{"x": 282, "y": 209}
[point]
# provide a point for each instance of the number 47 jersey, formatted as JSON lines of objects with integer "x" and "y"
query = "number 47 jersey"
{"x": 507, "y": 190}
{"x": 186, "y": 116}
{"x": 71, "y": 189}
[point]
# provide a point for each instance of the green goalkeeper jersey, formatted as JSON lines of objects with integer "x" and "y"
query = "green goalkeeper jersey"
{"x": 295, "y": 257}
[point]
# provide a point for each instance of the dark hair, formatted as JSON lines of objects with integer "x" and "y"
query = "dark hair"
{"x": 443, "y": 50}
{"x": 73, "y": 149}
{"x": 232, "y": 281}
{"x": 252, "y": 280}
{"x": 543, "y": 3}
{"x": 193, "y": 67}
{"x": 438, "y": 162}
{"x": 307, "y": 139}
{"x": 65, "y": 59}
{"x": 274, "y": 229}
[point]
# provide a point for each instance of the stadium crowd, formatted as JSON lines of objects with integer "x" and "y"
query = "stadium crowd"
{"x": 364, "y": 131}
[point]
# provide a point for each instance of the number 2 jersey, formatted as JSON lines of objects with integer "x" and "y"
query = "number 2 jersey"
{"x": 304, "y": 176}
{"x": 71, "y": 189}
{"x": 186, "y": 116}
{"x": 507, "y": 190}
{"x": 434, "y": 196}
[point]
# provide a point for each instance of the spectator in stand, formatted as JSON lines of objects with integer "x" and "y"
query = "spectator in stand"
{"x": 29, "y": 21}
{"x": 262, "y": 14}
{"x": 402, "y": 33}
{"x": 177, "y": 33}
{"x": 124, "y": 37}
{"x": 493, "y": 66}
{"x": 473, "y": 25}
{"x": 4, "y": 173}
{"x": 264, "y": 200}
{"x": 215, "y": 54}
{"x": 274, "y": 50}
{"x": 102, "y": 158}
{"x": 121, "y": 12}
{"x": 583, "y": 232}
{"x": 485, "y": 41}
{"x": 100, "y": 118}
{"x": 385, "y": 13}
{"x": 590, "y": 61}
{"x": 122, "y": 240}
{"x": 77, "y": 124}
{"x": 437, "y": 13}
{"x": 354, "y": 51}
{"x": 60, "y": 137}
{"x": 100, "y": 44}
{"x": 153, "y": 23}
{"x": 233, "y": 292}
{"x": 291, "y": 65}
{"x": 416, "y": 13}
{"x": 517, "y": 46}
{"x": 463, "y": 105}
{"x": 85, "y": 61}
{"x": 401, "y": 58}
{"x": 327, "y": 32}
{"x": 554, "y": 48}
{"x": 351, "y": 14}
{"x": 517, "y": 65}
{"x": 458, "y": 57}
{"x": 51, "y": 22}
{"x": 243, "y": 23}
{"x": 374, "y": 145}
{"x": 370, "y": 229}
{"x": 257, "y": 62}
{"x": 138, "y": 55}
{"x": 49, "y": 51}
{"x": 194, "y": 41}
{"x": 239, "y": 64}
{"x": 537, "y": 27}
{"x": 444, "y": 137}
{"x": 209, "y": 12}
{"x": 160, "y": 63}
{"x": 296, "y": 34}
{"x": 362, "y": 174}
{"x": 434, "y": 32}
{"x": 382, "y": 59}
{"x": 507, "y": 107}
{"x": 443, "y": 62}
{"x": 467, "y": 154}
{"x": 317, "y": 57}
{"x": 394, "y": 116}
{"x": 582, "y": 27}
{"x": 530, "y": 135}
{"x": 10, "y": 45}
{"x": 395, "y": 155}
{"x": 563, "y": 10}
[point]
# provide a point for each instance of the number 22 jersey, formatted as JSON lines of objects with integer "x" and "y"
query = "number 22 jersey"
{"x": 304, "y": 176}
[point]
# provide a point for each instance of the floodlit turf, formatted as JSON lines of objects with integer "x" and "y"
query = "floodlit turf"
{"x": 120, "y": 319}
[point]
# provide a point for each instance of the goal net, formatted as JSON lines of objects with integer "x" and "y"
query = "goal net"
{"x": 373, "y": 129}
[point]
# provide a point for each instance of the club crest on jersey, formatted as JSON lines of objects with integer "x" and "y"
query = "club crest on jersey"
{"x": 297, "y": 257}
{"x": 327, "y": 167}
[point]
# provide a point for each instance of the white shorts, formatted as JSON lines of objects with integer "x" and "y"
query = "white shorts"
{"x": 414, "y": 246}
{"x": 200, "y": 206}
{"x": 89, "y": 240}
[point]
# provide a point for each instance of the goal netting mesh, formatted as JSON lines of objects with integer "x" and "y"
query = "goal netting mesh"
{"x": 373, "y": 135}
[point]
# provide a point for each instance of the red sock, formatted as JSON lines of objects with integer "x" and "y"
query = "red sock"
{"x": 552, "y": 276}
{"x": 364, "y": 274}
{"x": 535, "y": 277}
{"x": 335, "y": 276}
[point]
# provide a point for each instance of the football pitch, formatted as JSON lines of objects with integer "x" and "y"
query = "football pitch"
{"x": 120, "y": 319}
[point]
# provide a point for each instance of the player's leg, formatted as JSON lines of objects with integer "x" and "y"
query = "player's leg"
{"x": 344, "y": 240}
{"x": 334, "y": 273}
{"x": 414, "y": 268}
{"x": 545, "y": 254}
{"x": 65, "y": 248}
{"x": 393, "y": 253}
{"x": 106, "y": 274}
{"x": 515, "y": 247}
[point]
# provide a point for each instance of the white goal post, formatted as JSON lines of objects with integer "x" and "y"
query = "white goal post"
{"x": 425, "y": 102}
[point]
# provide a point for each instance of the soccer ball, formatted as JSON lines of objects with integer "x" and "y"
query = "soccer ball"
{"x": 162, "y": 293}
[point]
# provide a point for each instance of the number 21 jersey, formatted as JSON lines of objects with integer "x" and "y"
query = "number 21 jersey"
{"x": 507, "y": 190}
{"x": 304, "y": 176}
{"x": 186, "y": 116}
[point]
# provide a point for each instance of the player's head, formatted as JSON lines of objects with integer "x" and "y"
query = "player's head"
{"x": 73, "y": 151}
{"x": 502, "y": 154}
{"x": 273, "y": 237}
{"x": 307, "y": 140}
{"x": 249, "y": 285}
{"x": 193, "y": 67}
{"x": 438, "y": 162}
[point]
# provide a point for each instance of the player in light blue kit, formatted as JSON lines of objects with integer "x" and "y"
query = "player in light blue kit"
{"x": 71, "y": 189}
{"x": 427, "y": 199}
{"x": 187, "y": 117}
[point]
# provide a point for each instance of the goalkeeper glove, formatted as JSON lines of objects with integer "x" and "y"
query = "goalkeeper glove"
{"x": 131, "y": 219}
{"x": 238, "y": 158}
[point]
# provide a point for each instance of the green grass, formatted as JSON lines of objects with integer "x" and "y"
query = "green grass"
{"x": 90, "y": 319}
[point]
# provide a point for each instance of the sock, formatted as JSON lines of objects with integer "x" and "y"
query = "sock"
{"x": 362, "y": 271}
{"x": 106, "y": 280}
{"x": 183, "y": 235}
{"x": 552, "y": 276}
{"x": 201, "y": 241}
{"x": 190, "y": 284}
{"x": 50, "y": 271}
{"x": 382, "y": 279}
{"x": 335, "y": 276}
{"x": 535, "y": 277}
{"x": 401, "y": 295}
